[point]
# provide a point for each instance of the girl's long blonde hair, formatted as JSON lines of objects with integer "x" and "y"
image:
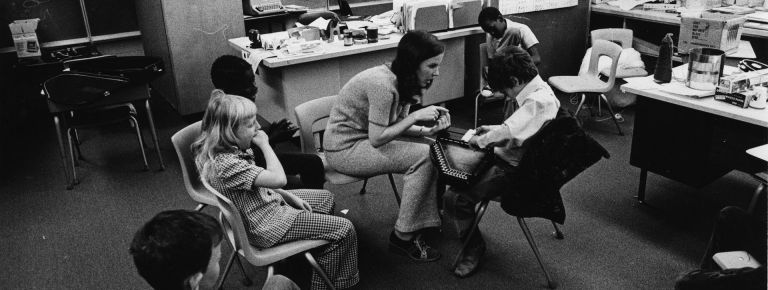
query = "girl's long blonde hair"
{"x": 223, "y": 116}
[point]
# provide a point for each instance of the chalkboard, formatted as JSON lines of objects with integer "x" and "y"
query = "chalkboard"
{"x": 59, "y": 19}
{"x": 110, "y": 17}
{"x": 63, "y": 19}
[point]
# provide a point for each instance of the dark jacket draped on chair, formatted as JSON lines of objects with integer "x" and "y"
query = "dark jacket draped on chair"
{"x": 554, "y": 155}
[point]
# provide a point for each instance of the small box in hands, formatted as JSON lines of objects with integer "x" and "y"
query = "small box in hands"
{"x": 735, "y": 260}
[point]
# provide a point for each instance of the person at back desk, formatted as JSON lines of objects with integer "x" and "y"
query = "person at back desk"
{"x": 234, "y": 76}
{"x": 502, "y": 32}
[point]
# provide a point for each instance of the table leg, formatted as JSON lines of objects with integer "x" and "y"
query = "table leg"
{"x": 154, "y": 132}
{"x": 641, "y": 186}
{"x": 62, "y": 154}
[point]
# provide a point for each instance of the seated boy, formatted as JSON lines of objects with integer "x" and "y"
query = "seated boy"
{"x": 503, "y": 32}
{"x": 234, "y": 76}
{"x": 513, "y": 73}
{"x": 181, "y": 249}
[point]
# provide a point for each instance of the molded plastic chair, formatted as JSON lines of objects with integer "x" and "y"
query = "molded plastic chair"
{"x": 182, "y": 141}
{"x": 480, "y": 211}
{"x": 232, "y": 223}
{"x": 311, "y": 117}
{"x": 623, "y": 37}
{"x": 485, "y": 93}
{"x": 77, "y": 102}
{"x": 591, "y": 82}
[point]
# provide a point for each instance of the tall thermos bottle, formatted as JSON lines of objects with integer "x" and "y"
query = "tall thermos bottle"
{"x": 663, "y": 71}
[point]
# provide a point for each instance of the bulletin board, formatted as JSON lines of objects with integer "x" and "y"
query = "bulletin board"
{"x": 521, "y": 6}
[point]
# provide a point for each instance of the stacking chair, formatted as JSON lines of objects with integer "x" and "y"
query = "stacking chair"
{"x": 480, "y": 211}
{"x": 233, "y": 226}
{"x": 484, "y": 93}
{"x": 182, "y": 141}
{"x": 311, "y": 117}
{"x": 84, "y": 100}
{"x": 590, "y": 83}
{"x": 623, "y": 37}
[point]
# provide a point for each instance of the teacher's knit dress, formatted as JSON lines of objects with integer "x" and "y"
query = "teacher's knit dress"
{"x": 370, "y": 98}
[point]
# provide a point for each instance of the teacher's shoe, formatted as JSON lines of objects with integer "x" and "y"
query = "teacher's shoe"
{"x": 416, "y": 249}
{"x": 470, "y": 257}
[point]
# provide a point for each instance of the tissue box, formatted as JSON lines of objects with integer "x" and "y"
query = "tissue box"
{"x": 25, "y": 38}
{"x": 723, "y": 33}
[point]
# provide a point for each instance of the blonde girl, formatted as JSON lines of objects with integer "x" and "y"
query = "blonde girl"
{"x": 271, "y": 215}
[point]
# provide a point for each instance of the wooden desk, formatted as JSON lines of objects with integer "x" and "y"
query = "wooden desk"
{"x": 693, "y": 141}
{"x": 287, "y": 82}
{"x": 659, "y": 17}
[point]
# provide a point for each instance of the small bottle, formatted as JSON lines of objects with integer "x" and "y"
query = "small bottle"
{"x": 348, "y": 40}
{"x": 663, "y": 71}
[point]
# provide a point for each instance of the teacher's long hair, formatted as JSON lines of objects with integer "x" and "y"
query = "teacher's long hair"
{"x": 223, "y": 116}
{"x": 415, "y": 47}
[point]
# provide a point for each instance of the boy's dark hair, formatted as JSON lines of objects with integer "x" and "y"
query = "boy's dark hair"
{"x": 511, "y": 67}
{"x": 173, "y": 246}
{"x": 414, "y": 48}
{"x": 488, "y": 14}
{"x": 234, "y": 76}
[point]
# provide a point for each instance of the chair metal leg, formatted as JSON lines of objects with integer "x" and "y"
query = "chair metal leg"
{"x": 581, "y": 103}
{"x": 62, "y": 154}
{"x": 200, "y": 207}
{"x": 319, "y": 270}
{"x": 141, "y": 142}
{"x": 154, "y": 132}
{"x": 613, "y": 114}
{"x": 761, "y": 189}
{"x": 477, "y": 106}
{"x": 72, "y": 141}
{"x": 226, "y": 270}
{"x": 475, "y": 224}
{"x": 557, "y": 233}
{"x": 365, "y": 183}
{"x": 532, "y": 243}
{"x": 72, "y": 158}
{"x": 77, "y": 144}
{"x": 394, "y": 188}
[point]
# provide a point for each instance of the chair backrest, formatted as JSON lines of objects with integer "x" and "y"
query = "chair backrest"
{"x": 604, "y": 48}
{"x": 483, "y": 64}
{"x": 232, "y": 224}
{"x": 307, "y": 18}
{"x": 309, "y": 115}
{"x": 621, "y": 35}
{"x": 181, "y": 142}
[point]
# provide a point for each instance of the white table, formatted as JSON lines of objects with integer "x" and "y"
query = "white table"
{"x": 691, "y": 140}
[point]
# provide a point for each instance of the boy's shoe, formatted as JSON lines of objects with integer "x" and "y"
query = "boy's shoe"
{"x": 470, "y": 258}
{"x": 416, "y": 249}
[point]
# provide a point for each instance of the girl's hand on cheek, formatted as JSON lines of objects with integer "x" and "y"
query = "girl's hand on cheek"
{"x": 261, "y": 139}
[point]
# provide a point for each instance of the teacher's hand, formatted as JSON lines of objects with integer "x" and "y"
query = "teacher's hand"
{"x": 443, "y": 122}
{"x": 431, "y": 113}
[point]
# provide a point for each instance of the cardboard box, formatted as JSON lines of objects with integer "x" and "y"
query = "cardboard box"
{"x": 720, "y": 32}
{"x": 741, "y": 82}
{"x": 25, "y": 37}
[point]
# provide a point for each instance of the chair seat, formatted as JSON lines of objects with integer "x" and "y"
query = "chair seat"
{"x": 625, "y": 72}
{"x": 578, "y": 84}
{"x": 335, "y": 177}
{"x": 264, "y": 257}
